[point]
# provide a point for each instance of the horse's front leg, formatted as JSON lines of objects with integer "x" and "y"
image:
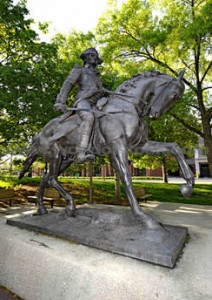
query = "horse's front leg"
{"x": 119, "y": 158}
{"x": 152, "y": 147}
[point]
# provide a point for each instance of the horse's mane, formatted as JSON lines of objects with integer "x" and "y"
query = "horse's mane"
{"x": 131, "y": 82}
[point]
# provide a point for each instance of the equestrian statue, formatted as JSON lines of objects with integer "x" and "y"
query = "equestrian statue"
{"x": 104, "y": 122}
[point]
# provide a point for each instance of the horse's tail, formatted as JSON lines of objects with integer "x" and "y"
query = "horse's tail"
{"x": 32, "y": 156}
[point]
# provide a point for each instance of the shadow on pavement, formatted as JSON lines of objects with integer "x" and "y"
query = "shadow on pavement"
{"x": 5, "y": 294}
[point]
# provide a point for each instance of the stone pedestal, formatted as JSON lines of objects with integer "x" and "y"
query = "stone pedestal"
{"x": 112, "y": 229}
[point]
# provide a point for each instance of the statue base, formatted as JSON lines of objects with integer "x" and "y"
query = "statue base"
{"x": 112, "y": 229}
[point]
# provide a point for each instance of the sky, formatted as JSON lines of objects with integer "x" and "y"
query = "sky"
{"x": 65, "y": 15}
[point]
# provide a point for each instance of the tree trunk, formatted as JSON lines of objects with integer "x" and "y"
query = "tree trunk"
{"x": 164, "y": 170}
{"x": 208, "y": 150}
{"x": 206, "y": 126}
{"x": 205, "y": 114}
{"x": 90, "y": 172}
{"x": 11, "y": 165}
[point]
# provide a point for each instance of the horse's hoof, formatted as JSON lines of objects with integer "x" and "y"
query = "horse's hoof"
{"x": 150, "y": 223}
{"x": 70, "y": 212}
{"x": 42, "y": 211}
{"x": 186, "y": 190}
{"x": 153, "y": 225}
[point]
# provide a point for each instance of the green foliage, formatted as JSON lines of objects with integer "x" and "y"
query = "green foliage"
{"x": 167, "y": 35}
{"x": 133, "y": 37}
{"x": 153, "y": 162}
{"x": 72, "y": 45}
{"x": 156, "y": 34}
{"x": 27, "y": 78}
{"x": 8, "y": 181}
{"x": 69, "y": 49}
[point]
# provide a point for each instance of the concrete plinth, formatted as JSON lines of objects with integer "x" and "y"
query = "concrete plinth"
{"x": 113, "y": 229}
{"x": 39, "y": 267}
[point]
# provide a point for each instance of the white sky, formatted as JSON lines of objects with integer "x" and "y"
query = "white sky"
{"x": 65, "y": 15}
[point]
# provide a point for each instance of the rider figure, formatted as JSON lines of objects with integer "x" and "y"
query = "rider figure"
{"x": 90, "y": 89}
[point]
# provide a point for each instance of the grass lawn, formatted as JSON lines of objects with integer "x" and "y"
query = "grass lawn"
{"x": 167, "y": 192}
{"x": 104, "y": 190}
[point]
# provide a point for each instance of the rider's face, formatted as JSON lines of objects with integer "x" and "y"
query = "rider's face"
{"x": 92, "y": 59}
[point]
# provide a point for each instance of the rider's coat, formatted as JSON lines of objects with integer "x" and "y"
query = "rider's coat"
{"x": 88, "y": 82}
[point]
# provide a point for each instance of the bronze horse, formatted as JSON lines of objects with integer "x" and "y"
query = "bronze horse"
{"x": 119, "y": 127}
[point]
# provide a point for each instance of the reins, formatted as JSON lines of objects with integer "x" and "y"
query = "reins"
{"x": 122, "y": 97}
{"x": 148, "y": 107}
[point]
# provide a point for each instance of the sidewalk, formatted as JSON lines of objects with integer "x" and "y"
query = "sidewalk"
{"x": 197, "y": 180}
{"x": 40, "y": 267}
{"x": 177, "y": 180}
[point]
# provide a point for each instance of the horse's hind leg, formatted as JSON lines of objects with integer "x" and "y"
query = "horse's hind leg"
{"x": 55, "y": 168}
{"x": 41, "y": 207}
{"x": 119, "y": 158}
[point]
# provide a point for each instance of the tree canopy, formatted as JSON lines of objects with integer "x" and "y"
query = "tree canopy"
{"x": 167, "y": 35}
{"x": 132, "y": 37}
{"x": 28, "y": 76}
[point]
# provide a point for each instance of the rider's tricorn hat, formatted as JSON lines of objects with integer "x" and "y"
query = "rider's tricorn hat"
{"x": 89, "y": 51}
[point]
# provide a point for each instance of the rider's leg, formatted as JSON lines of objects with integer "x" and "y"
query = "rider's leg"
{"x": 84, "y": 132}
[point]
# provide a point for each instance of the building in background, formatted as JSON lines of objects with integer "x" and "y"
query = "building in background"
{"x": 200, "y": 159}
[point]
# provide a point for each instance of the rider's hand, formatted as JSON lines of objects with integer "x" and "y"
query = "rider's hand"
{"x": 60, "y": 107}
{"x": 106, "y": 92}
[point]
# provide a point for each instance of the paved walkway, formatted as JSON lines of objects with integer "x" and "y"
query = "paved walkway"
{"x": 39, "y": 267}
{"x": 197, "y": 180}
{"x": 178, "y": 180}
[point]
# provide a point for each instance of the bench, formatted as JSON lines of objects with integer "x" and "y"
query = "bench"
{"x": 7, "y": 195}
{"x": 50, "y": 195}
{"x": 140, "y": 194}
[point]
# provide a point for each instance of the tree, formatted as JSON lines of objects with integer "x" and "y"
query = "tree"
{"x": 168, "y": 35}
{"x": 69, "y": 49}
{"x": 28, "y": 78}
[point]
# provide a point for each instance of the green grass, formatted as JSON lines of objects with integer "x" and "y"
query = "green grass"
{"x": 104, "y": 190}
{"x": 167, "y": 192}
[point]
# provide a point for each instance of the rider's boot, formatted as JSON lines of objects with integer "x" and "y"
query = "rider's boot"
{"x": 82, "y": 156}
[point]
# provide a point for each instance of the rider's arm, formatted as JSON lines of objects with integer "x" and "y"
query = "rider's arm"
{"x": 106, "y": 92}
{"x": 71, "y": 80}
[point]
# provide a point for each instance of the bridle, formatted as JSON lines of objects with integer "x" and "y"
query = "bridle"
{"x": 152, "y": 102}
{"x": 147, "y": 106}
{"x": 123, "y": 97}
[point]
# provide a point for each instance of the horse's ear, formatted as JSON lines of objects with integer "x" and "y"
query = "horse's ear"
{"x": 180, "y": 76}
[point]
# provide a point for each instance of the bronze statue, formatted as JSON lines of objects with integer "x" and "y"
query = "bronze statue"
{"x": 90, "y": 89}
{"x": 118, "y": 127}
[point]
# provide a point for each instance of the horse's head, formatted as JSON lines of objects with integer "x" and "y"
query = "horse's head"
{"x": 165, "y": 96}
